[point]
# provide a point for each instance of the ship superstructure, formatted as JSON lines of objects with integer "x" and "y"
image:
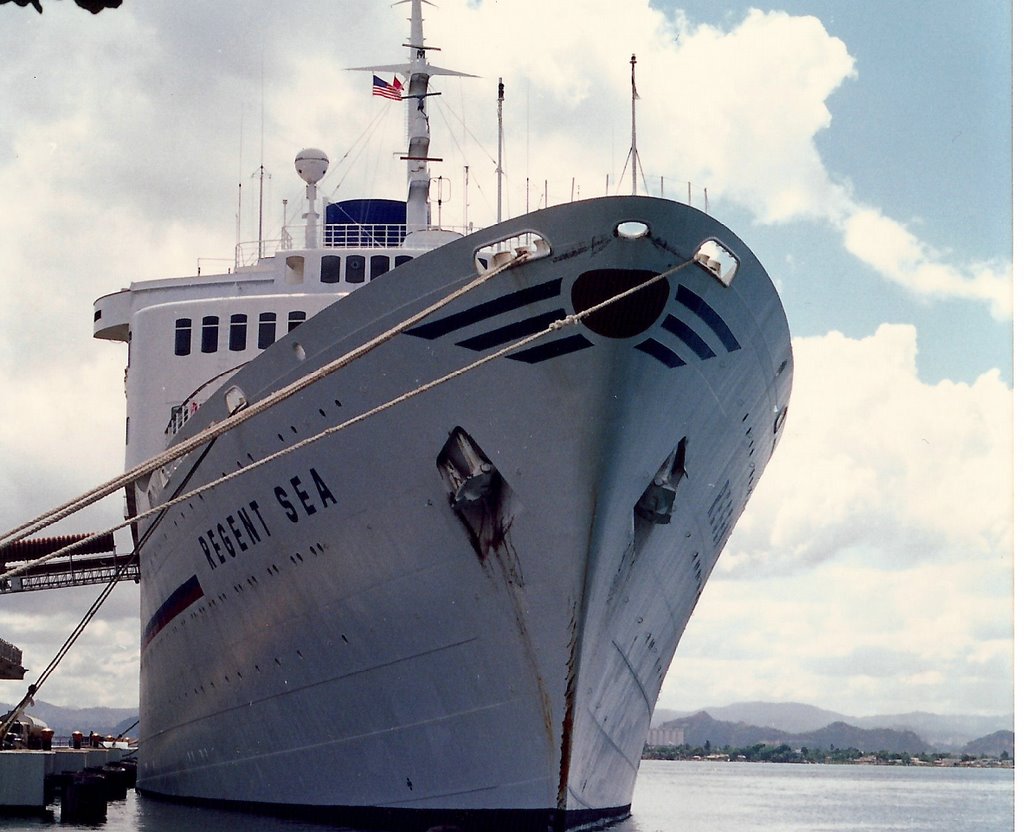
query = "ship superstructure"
{"x": 440, "y": 580}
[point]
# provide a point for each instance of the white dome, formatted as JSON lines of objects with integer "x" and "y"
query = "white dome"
{"x": 311, "y": 164}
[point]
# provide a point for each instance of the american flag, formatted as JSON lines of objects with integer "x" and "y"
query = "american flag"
{"x": 383, "y": 88}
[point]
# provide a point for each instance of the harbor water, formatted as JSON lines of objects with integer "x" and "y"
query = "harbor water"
{"x": 702, "y": 797}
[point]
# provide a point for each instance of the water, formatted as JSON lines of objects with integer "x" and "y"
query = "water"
{"x": 705, "y": 797}
{"x": 767, "y": 797}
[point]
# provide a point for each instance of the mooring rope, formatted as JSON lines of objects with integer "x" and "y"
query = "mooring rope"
{"x": 569, "y": 320}
{"x": 233, "y": 420}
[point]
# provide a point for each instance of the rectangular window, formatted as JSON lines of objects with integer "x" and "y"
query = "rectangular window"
{"x": 402, "y": 258}
{"x": 355, "y": 268}
{"x": 236, "y": 333}
{"x": 294, "y": 319}
{"x": 330, "y": 268}
{"x": 268, "y": 330}
{"x": 211, "y": 324}
{"x": 379, "y": 264}
{"x": 183, "y": 336}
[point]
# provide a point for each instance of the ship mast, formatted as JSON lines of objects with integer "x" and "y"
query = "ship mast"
{"x": 633, "y": 97}
{"x": 633, "y": 159}
{"x": 501, "y": 140}
{"x": 417, "y": 72}
{"x": 417, "y": 212}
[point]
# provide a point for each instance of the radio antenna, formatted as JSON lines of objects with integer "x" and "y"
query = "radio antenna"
{"x": 501, "y": 140}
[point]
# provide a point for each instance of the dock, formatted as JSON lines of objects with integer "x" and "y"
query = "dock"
{"x": 81, "y": 780}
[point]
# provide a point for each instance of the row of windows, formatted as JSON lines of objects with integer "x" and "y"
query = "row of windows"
{"x": 238, "y": 330}
{"x": 330, "y": 272}
{"x": 355, "y": 267}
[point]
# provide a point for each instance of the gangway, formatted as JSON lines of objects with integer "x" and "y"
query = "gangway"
{"x": 94, "y": 562}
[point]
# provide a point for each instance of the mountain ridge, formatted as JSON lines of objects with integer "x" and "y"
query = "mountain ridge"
{"x": 64, "y": 720}
{"x": 943, "y": 732}
{"x": 703, "y": 729}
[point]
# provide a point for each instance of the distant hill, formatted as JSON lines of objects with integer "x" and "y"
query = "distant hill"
{"x": 943, "y": 732}
{"x": 702, "y": 727}
{"x": 785, "y": 716}
{"x": 991, "y": 745}
{"x": 842, "y": 735}
{"x": 946, "y": 732}
{"x": 65, "y": 720}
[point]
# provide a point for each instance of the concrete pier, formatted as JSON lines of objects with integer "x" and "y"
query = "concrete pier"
{"x": 24, "y": 774}
{"x": 22, "y": 779}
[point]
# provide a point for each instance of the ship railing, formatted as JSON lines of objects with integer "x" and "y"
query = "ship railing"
{"x": 358, "y": 235}
{"x": 181, "y": 413}
{"x": 93, "y": 741}
{"x": 329, "y": 235}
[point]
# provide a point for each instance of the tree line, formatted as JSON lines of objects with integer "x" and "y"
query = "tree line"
{"x": 765, "y": 753}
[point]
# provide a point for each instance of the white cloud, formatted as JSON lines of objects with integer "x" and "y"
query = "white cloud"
{"x": 102, "y": 668}
{"x": 737, "y": 110}
{"x": 874, "y": 562}
{"x": 151, "y": 113}
{"x": 850, "y": 638}
{"x": 874, "y": 459}
{"x": 901, "y": 257}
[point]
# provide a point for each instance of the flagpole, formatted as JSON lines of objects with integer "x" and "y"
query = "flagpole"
{"x": 632, "y": 149}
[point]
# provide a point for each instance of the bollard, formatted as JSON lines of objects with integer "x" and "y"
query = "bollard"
{"x": 118, "y": 779}
{"x": 84, "y": 799}
{"x": 76, "y": 740}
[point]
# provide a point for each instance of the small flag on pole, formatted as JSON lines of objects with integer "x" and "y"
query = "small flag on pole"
{"x": 383, "y": 88}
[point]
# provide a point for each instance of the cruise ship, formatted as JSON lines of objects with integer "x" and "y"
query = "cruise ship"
{"x": 421, "y": 515}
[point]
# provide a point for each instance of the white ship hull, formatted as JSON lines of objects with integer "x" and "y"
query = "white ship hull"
{"x": 327, "y": 633}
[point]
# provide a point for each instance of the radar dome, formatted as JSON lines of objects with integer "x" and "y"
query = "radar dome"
{"x": 311, "y": 164}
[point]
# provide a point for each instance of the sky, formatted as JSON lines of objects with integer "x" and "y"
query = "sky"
{"x": 862, "y": 150}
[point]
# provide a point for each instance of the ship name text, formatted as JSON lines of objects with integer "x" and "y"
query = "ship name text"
{"x": 298, "y": 498}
